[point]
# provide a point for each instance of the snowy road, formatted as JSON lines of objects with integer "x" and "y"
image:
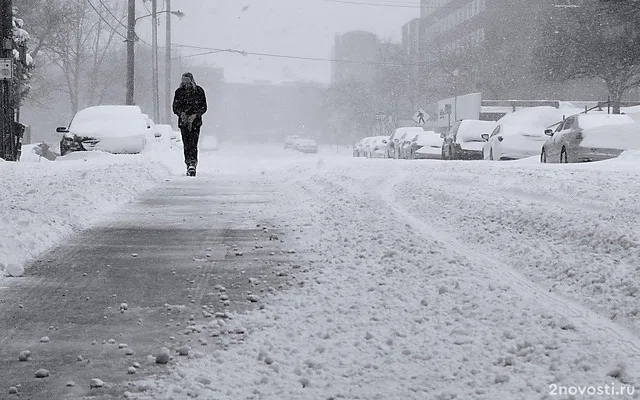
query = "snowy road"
{"x": 427, "y": 280}
{"x": 444, "y": 280}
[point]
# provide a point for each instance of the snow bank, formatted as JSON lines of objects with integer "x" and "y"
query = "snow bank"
{"x": 472, "y": 131}
{"x": 41, "y": 203}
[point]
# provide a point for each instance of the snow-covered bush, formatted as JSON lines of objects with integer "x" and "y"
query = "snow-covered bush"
{"x": 22, "y": 66}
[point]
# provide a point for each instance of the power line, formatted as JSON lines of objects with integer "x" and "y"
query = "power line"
{"x": 112, "y": 14}
{"x": 273, "y": 55}
{"x": 105, "y": 21}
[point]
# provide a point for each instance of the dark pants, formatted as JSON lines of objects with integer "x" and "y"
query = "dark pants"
{"x": 190, "y": 140}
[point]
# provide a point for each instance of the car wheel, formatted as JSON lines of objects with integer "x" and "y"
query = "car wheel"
{"x": 564, "y": 159}
{"x": 543, "y": 157}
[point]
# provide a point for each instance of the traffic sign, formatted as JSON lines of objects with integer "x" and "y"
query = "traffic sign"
{"x": 421, "y": 117}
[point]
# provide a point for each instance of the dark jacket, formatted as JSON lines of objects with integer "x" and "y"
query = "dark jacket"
{"x": 190, "y": 102}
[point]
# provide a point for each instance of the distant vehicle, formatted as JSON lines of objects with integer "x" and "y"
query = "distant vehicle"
{"x": 464, "y": 141}
{"x": 113, "y": 129}
{"x": 426, "y": 145}
{"x": 289, "y": 142}
{"x": 590, "y": 137}
{"x": 308, "y": 146}
{"x": 376, "y": 147}
{"x": 520, "y": 134}
{"x": 359, "y": 150}
{"x": 392, "y": 143}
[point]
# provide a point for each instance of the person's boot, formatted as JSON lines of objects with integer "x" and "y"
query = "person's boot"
{"x": 191, "y": 170}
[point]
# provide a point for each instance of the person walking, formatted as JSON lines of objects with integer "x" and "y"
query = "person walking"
{"x": 190, "y": 104}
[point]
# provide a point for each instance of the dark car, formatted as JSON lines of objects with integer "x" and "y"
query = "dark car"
{"x": 464, "y": 141}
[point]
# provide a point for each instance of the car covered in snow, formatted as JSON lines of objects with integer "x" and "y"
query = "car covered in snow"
{"x": 290, "y": 141}
{"x": 521, "y": 133}
{"x": 464, "y": 141}
{"x": 426, "y": 145}
{"x": 112, "y": 129}
{"x": 590, "y": 137}
{"x": 393, "y": 142}
{"x": 308, "y": 146}
{"x": 376, "y": 147}
{"x": 359, "y": 150}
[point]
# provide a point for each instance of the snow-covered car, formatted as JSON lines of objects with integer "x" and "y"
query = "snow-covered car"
{"x": 404, "y": 145}
{"x": 426, "y": 145}
{"x": 520, "y": 134}
{"x": 209, "y": 143}
{"x": 308, "y": 146}
{"x": 464, "y": 141}
{"x": 359, "y": 148}
{"x": 376, "y": 147}
{"x": 164, "y": 131}
{"x": 591, "y": 137}
{"x": 289, "y": 141}
{"x": 393, "y": 149}
{"x": 113, "y": 129}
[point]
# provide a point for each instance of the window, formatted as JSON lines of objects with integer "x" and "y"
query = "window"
{"x": 495, "y": 131}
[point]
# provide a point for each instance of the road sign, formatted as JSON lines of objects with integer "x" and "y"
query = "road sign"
{"x": 421, "y": 117}
{"x": 6, "y": 69}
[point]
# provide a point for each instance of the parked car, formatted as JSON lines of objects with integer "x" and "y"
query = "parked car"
{"x": 590, "y": 137}
{"x": 403, "y": 144}
{"x": 359, "y": 150}
{"x": 520, "y": 134}
{"x": 426, "y": 145}
{"x": 308, "y": 146}
{"x": 376, "y": 147}
{"x": 289, "y": 141}
{"x": 393, "y": 149}
{"x": 464, "y": 141}
{"x": 113, "y": 129}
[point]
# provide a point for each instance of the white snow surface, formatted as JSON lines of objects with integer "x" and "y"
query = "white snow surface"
{"x": 525, "y": 277}
{"x": 43, "y": 202}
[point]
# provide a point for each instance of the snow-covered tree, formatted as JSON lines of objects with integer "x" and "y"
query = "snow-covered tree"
{"x": 23, "y": 63}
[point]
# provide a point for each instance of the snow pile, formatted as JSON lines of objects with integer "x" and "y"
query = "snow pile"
{"x": 43, "y": 202}
{"x": 402, "y": 312}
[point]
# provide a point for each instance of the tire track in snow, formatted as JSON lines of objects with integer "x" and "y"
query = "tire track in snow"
{"x": 588, "y": 320}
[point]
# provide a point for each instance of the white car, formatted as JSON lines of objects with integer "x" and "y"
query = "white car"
{"x": 393, "y": 143}
{"x": 520, "y": 134}
{"x": 426, "y": 145}
{"x": 359, "y": 150}
{"x": 376, "y": 147}
{"x": 112, "y": 129}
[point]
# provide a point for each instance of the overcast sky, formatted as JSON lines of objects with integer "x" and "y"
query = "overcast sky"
{"x": 289, "y": 27}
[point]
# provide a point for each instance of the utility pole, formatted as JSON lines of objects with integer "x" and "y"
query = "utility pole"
{"x": 131, "y": 58}
{"x": 154, "y": 59}
{"x": 167, "y": 77}
{"x": 8, "y": 141}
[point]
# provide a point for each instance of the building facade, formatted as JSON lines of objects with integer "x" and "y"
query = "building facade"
{"x": 352, "y": 54}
